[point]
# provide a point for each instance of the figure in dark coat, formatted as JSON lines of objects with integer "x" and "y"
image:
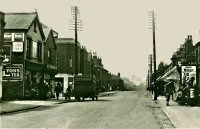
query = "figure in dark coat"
{"x": 169, "y": 89}
{"x": 57, "y": 89}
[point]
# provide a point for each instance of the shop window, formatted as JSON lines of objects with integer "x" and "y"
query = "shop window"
{"x": 28, "y": 48}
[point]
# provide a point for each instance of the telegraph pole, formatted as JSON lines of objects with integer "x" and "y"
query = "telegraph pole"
{"x": 150, "y": 74}
{"x": 154, "y": 56}
{"x": 76, "y": 23}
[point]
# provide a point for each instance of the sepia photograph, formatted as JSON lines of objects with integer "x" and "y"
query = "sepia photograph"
{"x": 99, "y": 64}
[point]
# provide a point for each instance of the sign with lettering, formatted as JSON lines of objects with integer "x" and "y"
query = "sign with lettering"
{"x": 18, "y": 37}
{"x": 7, "y": 36}
{"x": 12, "y": 72}
{"x": 17, "y": 46}
{"x": 188, "y": 75}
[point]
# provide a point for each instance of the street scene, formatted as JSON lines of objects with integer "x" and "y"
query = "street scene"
{"x": 129, "y": 109}
{"x": 106, "y": 64}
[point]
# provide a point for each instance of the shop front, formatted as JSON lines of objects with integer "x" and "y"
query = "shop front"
{"x": 49, "y": 77}
{"x": 33, "y": 80}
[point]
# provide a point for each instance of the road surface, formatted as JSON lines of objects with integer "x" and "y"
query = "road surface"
{"x": 123, "y": 110}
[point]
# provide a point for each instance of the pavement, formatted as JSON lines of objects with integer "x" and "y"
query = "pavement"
{"x": 22, "y": 105}
{"x": 182, "y": 117}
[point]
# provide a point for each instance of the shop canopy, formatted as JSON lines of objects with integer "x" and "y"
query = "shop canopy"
{"x": 171, "y": 75}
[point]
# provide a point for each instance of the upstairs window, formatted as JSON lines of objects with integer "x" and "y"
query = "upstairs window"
{"x": 34, "y": 49}
{"x": 70, "y": 61}
{"x": 35, "y": 26}
{"x": 49, "y": 56}
{"x": 28, "y": 48}
{"x": 39, "y": 52}
{"x": 57, "y": 60}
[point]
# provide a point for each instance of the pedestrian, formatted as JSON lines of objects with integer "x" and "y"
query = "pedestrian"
{"x": 46, "y": 89}
{"x": 68, "y": 93}
{"x": 169, "y": 89}
{"x": 57, "y": 90}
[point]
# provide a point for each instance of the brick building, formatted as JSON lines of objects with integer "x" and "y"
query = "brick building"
{"x": 66, "y": 60}
{"x": 85, "y": 61}
{"x": 24, "y": 46}
{"x": 50, "y": 57}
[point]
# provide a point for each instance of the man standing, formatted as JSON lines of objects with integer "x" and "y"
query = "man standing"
{"x": 169, "y": 89}
{"x": 57, "y": 90}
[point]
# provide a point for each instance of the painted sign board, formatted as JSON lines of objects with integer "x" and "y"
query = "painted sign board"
{"x": 13, "y": 72}
{"x": 17, "y": 46}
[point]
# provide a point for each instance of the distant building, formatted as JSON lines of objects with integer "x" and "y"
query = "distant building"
{"x": 85, "y": 61}
{"x": 66, "y": 61}
{"x": 181, "y": 55}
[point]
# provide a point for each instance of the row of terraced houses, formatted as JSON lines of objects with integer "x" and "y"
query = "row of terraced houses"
{"x": 33, "y": 52}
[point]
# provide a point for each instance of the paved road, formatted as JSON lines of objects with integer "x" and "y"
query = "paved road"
{"x": 123, "y": 110}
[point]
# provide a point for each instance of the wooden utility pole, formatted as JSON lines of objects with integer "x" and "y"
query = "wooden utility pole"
{"x": 154, "y": 56}
{"x": 76, "y": 25}
{"x": 150, "y": 74}
{"x": 76, "y": 42}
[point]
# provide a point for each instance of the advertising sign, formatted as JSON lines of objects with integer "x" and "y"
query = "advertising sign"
{"x": 17, "y": 46}
{"x": 12, "y": 72}
{"x": 188, "y": 75}
{"x": 7, "y": 36}
{"x": 18, "y": 37}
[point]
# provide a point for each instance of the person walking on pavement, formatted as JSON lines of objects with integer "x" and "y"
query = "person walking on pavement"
{"x": 57, "y": 90}
{"x": 68, "y": 93}
{"x": 46, "y": 89}
{"x": 169, "y": 89}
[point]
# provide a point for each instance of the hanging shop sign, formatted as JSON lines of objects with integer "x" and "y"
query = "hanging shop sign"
{"x": 17, "y": 46}
{"x": 13, "y": 72}
{"x": 188, "y": 75}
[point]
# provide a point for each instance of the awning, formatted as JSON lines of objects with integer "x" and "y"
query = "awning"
{"x": 170, "y": 75}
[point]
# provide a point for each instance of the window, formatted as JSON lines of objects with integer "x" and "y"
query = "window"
{"x": 7, "y": 50}
{"x": 35, "y": 26}
{"x": 49, "y": 55}
{"x": 28, "y": 48}
{"x": 57, "y": 60}
{"x": 39, "y": 52}
{"x": 70, "y": 62}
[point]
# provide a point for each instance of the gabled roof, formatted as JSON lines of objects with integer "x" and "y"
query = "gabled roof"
{"x": 66, "y": 41}
{"x": 19, "y": 20}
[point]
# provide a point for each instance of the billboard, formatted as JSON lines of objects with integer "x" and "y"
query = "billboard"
{"x": 188, "y": 75}
{"x": 13, "y": 72}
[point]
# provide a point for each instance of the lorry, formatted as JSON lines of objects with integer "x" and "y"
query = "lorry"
{"x": 85, "y": 87}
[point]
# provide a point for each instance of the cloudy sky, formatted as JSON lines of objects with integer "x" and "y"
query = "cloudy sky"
{"x": 118, "y": 30}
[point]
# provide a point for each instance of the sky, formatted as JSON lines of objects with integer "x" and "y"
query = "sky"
{"x": 118, "y": 30}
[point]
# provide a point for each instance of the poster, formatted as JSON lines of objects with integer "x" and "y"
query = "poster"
{"x": 188, "y": 75}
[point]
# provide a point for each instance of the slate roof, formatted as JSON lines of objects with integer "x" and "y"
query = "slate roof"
{"x": 19, "y": 20}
